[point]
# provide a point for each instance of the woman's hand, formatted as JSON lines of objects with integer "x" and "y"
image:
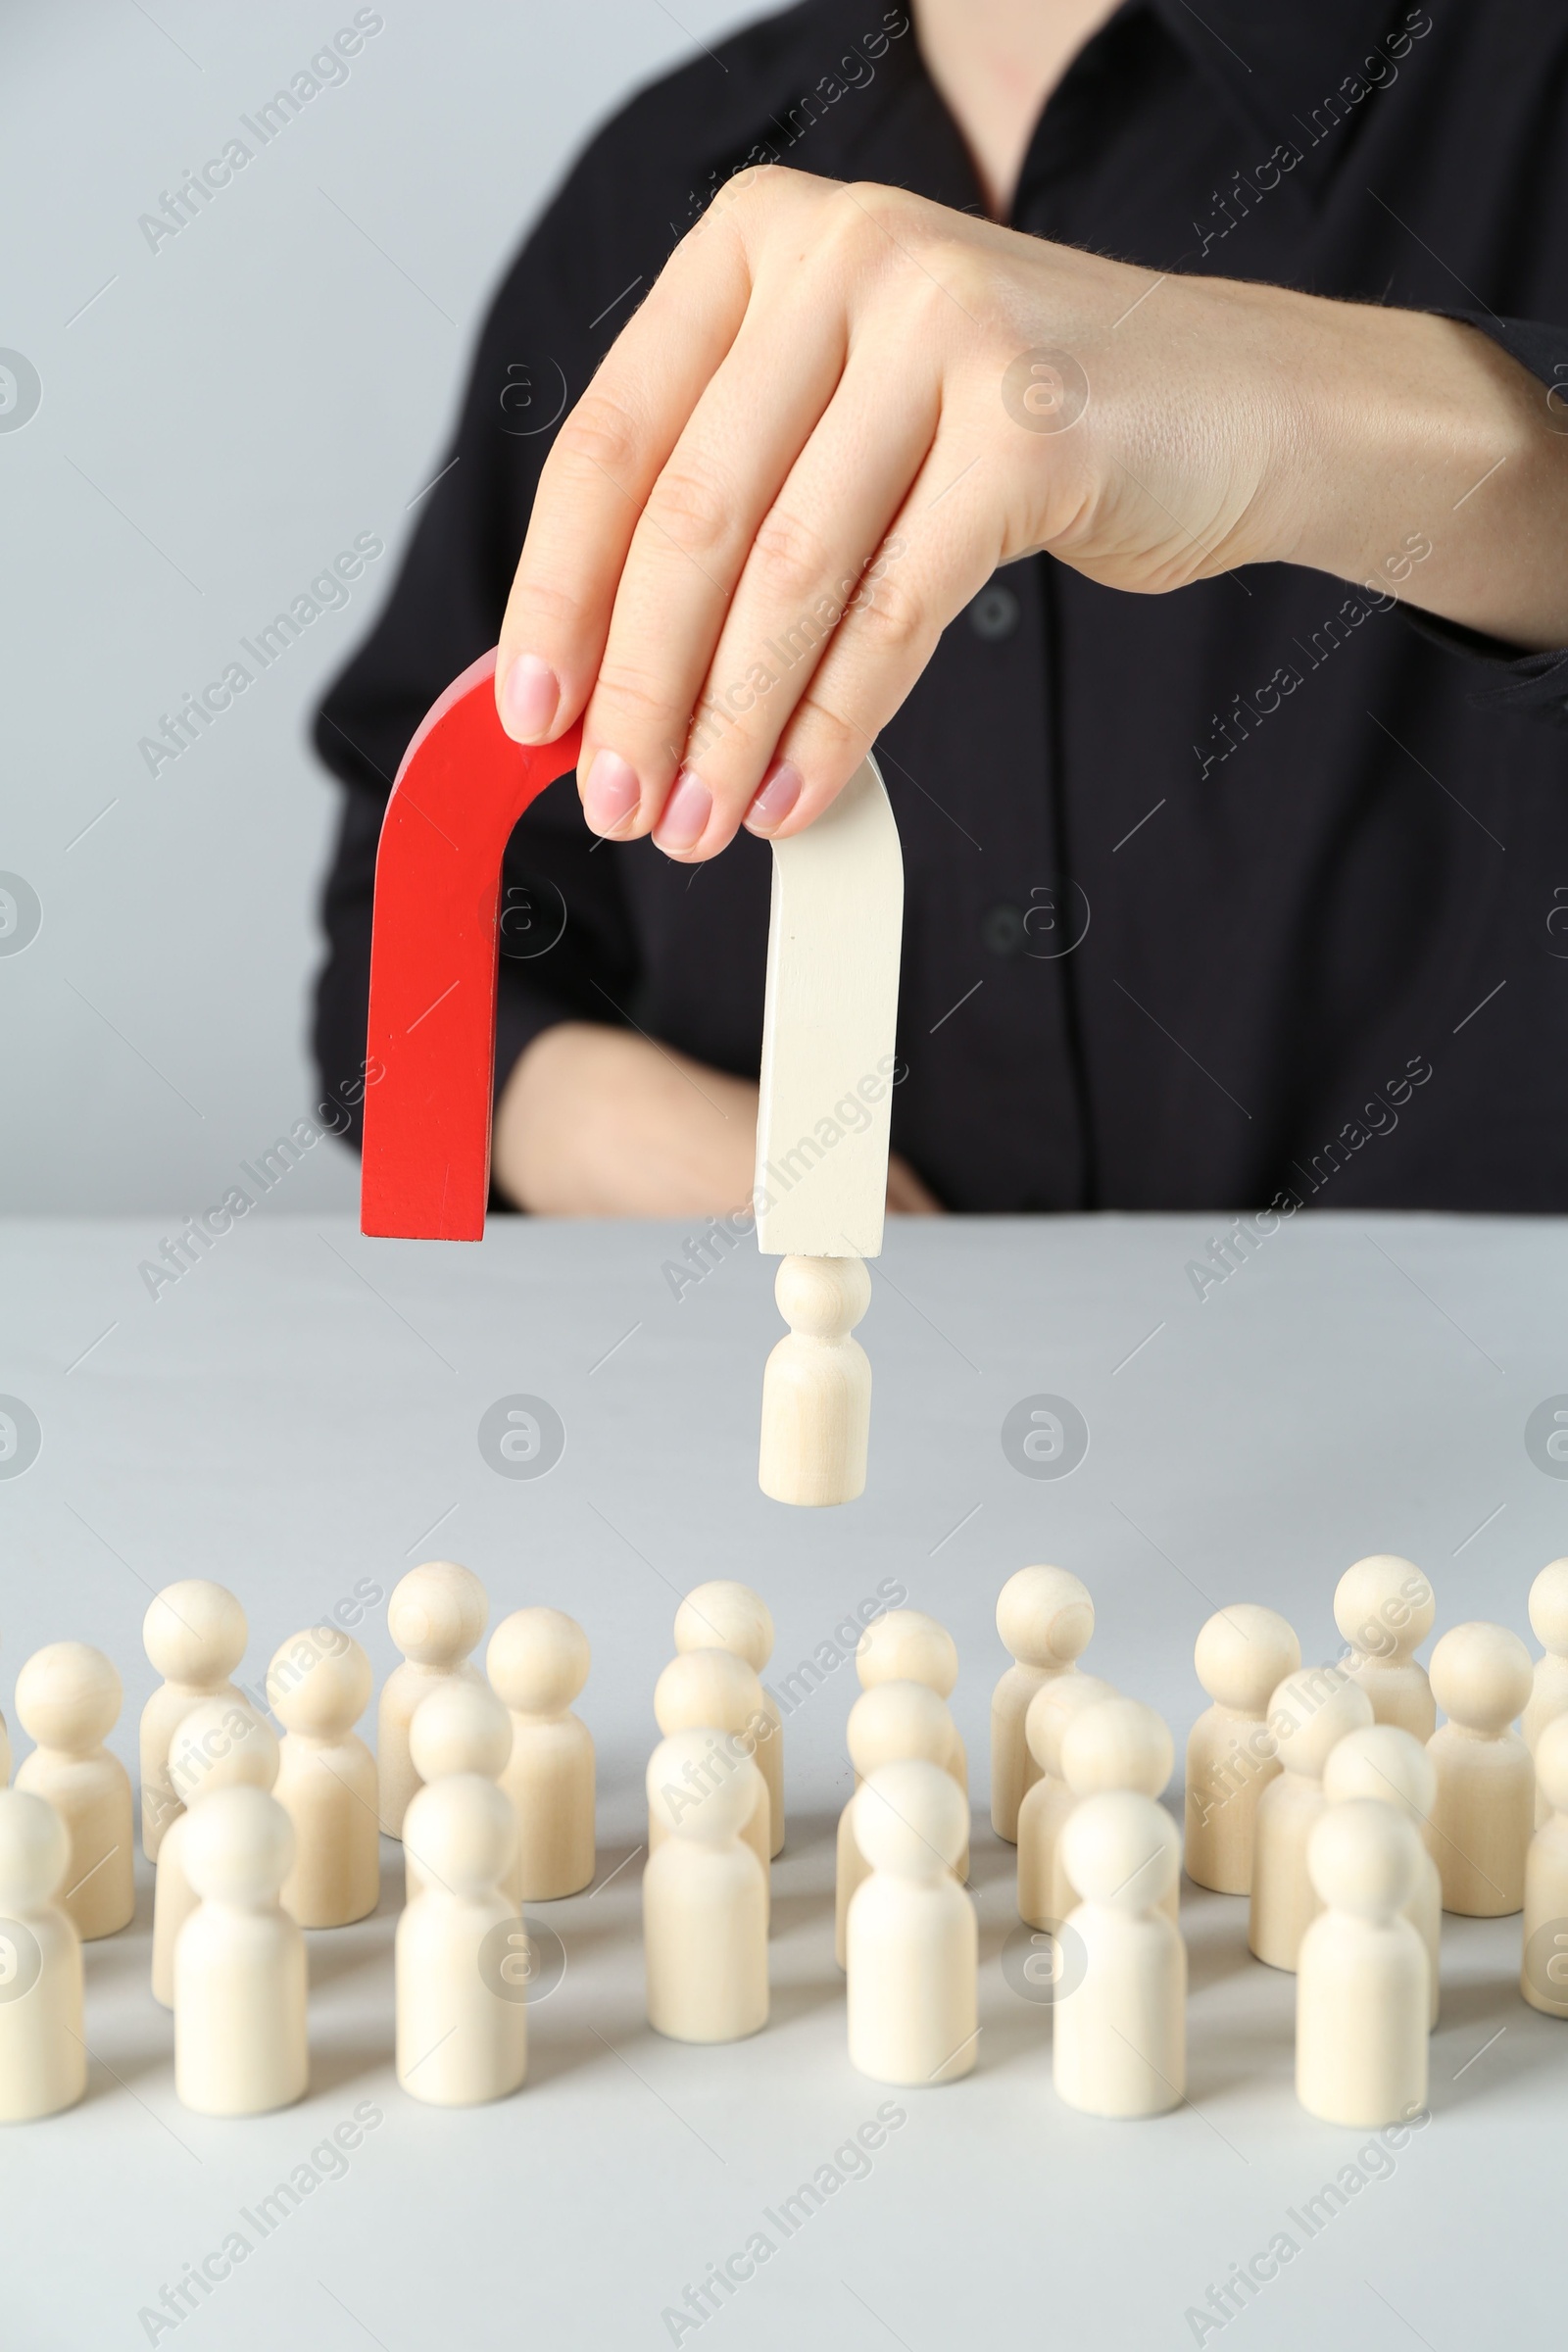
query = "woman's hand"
{"x": 597, "y": 1122}
{"x": 841, "y": 409}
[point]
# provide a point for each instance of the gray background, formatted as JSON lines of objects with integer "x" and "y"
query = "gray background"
{"x": 221, "y": 417}
{"x": 301, "y": 1411}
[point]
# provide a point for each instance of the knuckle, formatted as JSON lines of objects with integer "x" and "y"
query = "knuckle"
{"x": 889, "y": 617}
{"x": 691, "y": 511}
{"x": 788, "y": 555}
{"x": 632, "y": 693}
{"x": 869, "y": 200}
{"x": 883, "y": 223}
{"x": 830, "y": 741}
{"x": 597, "y": 433}
{"x": 537, "y": 606}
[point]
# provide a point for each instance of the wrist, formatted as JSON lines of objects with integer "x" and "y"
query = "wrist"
{"x": 1415, "y": 440}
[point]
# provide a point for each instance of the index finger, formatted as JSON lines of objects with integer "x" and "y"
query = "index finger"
{"x": 609, "y": 453}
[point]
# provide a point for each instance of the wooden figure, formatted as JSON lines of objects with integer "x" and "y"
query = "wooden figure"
{"x": 1384, "y": 1608}
{"x": 436, "y": 1615}
{"x": 713, "y": 1689}
{"x": 1242, "y": 1654}
{"x": 705, "y": 1895}
{"x": 43, "y": 2059}
{"x": 1363, "y": 1993}
{"x": 1544, "y": 1964}
{"x": 318, "y": 1685}
{"x": 829, "y": 1056}
{"x": 1119, "y": 1743}
{"x": 724, "y": 1615}
{"x": 1386, "y": 1763}
{"x": 460, "y": 1727}
{"x": 461, "y": 2020}
{"x": 1119, "y": 2035}
{"x": 538, "y": 1660}
{"x": 896, "y": 1723}
{"x": 816, "y": 1384}
{"x": 239, "y": 1965}
{"x": 1485, "y": 1804}
{"x": 68, "y": 1699}
{"x": 906, "y": 1645}
{"x": 1310, "y": 1713}
{"x": 1049, "y": 1800}
{"x": 912, "y": 1944}
{"x": 194, "y": 1634}
{"x": 1549, "y": 1687}
{"x": 1044, "y": 1617}
{"x": 222, "y": 1744}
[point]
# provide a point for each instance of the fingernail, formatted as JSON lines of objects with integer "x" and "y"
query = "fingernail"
{"x": 530, "y": 696}
{"x": 686, "y": 813}
{"x": 610, "y": 792}
{"x": 774, "y": 797}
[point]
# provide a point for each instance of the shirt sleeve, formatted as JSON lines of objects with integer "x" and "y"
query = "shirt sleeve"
{"x": 1535, "y": 684}
{"x": 565, "y": 945}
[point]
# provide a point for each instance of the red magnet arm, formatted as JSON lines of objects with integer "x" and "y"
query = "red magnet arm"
{"x": 434, "y": 941}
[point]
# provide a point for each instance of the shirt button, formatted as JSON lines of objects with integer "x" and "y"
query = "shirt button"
{"x": 993, "y": 613}
{"x": 1003, "y": 930}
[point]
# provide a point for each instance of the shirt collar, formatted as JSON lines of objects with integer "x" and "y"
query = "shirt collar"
{"x": 1292, "y": 72}
{"x": 1284, "y": 70}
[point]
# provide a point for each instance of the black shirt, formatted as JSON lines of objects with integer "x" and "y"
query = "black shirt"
{"x": 1261, "y": 885}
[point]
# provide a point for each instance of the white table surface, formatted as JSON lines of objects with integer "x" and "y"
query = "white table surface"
{"x": 300, "y": 1411}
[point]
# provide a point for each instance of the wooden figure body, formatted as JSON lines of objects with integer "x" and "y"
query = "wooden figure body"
{"x": 43, "y": 2059}
{"x": 460, "y": 1727}
{"x": 240, "y": 2044}
{"x": 896, "y": 1722}
{"x": 1391, "y": 1767}
{"x": 1048, "y": 1801}
{"x": 704, "y": 1896}
{"x": 713, "y": 1689}
{"x": 68, "y": 1699}
{"x": 222, "y": 1744}
{"x": 318, "y": 1685}
{"x": 461, "y": 2018}
{"x": 1363, "y": 1993}
{"x": 1044, "y": 1617}
{"x": 1119, "y": 2035}
{"x": 1242, "y": 1654}
{"x": 437, "y": 1615}
{"x": 816, "y": 1384}
{"x": 1119, "y": 1743}
{"x": 725, "y": 1615}
{"x": 194, "y": 1634}
{"x": 1549, "y": 1685}
{"x": 912, "y": 1944}
{"x": 1543, "y": 1963}
{"x": 1310, "y": 1713}
{"x": 1485, "y": 1802}
{"x": 1384, "y": 1608}
{"x": 538, "y": 1660}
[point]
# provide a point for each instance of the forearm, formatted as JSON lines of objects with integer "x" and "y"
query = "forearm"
{"x": 595, "y": 1121}
{"x": 1428, "y": 463}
